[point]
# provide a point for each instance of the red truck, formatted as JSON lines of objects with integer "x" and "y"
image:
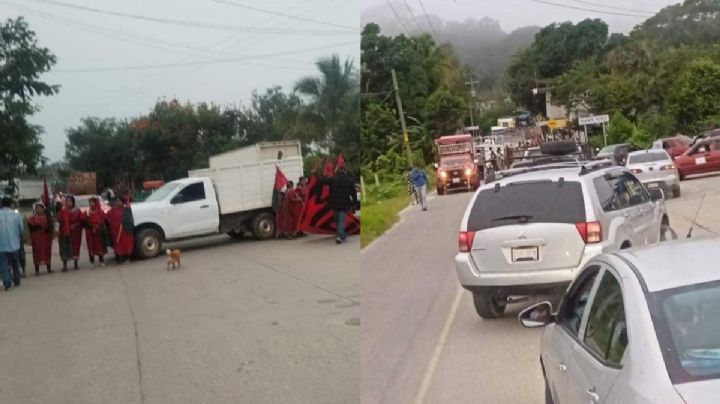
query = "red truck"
{"x": 456, "y": 167}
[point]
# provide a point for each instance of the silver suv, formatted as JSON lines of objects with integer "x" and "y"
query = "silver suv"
{"x": 530, "y": 231}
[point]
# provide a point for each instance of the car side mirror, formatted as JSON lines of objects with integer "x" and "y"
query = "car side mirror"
{"x": 656, "y": 194}
{"x": 537, "y": 315}
{"x": 177, "y": 199}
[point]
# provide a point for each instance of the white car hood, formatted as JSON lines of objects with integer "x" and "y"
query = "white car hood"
{"x": 143, "y": 211}
{"x": 704, "y": 392}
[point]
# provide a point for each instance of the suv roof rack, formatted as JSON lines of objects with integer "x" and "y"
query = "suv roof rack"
{"x": 595, "y": 165}
{"x": 531, "y": 169}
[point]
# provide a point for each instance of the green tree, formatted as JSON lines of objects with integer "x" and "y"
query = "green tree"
{"x": 444, "y": 112}
{"x": 22, "y": 62}
{"x": 696, "y": 95}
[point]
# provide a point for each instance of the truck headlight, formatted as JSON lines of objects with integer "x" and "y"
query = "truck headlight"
{"x": 443, "y": 174}
{"x": 468, "y": 171}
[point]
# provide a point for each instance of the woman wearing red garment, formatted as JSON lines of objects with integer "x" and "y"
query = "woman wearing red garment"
{"x": 121, "y": 229}
{"x": 71, "y": 220}
{"x": 95, "y": 232}
{"x": 295, "y": 209}
{"x": 41, "y": 235}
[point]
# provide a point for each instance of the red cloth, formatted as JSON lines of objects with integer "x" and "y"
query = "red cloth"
{"x": 71, "y": 224}
{"x": 296, "y": 206}
{"x": 282, "y": 216}
{"x": 41, "y": 239}
{"x": 317, "y": 218}
{"x": 95, "y": 221}
{"x": 123, "y": 241}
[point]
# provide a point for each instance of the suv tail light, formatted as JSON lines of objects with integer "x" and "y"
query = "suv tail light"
{"x": 590, "y": 232}
{"x": 636, "y": 171}
{"x": 668, "y": 167}
{"x": 465, "y": 240}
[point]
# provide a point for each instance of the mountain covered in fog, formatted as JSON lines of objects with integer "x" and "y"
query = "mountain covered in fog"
{"x": 480, "y": 44}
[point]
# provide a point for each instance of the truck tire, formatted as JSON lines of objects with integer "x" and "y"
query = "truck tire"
{"x": 489, "y": 306}
{"x": 148, "y": 243}
{"x": 263, "y": 226}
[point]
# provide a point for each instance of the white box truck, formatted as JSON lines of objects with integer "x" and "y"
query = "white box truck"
{"x": 232, "y": 196}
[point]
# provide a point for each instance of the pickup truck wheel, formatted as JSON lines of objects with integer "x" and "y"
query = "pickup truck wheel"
{"x": 489, "y": 306}
{"x": 149, "y": 243}
{"x": 263, "y": 226}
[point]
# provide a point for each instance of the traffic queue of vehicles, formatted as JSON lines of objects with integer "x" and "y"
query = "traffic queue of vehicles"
{"x": 638, "y": 318}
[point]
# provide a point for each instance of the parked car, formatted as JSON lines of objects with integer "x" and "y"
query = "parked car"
{"x": 617, "y": 153}
{"x": 701, "y": 158}
{"x": 530, "y": 231}
{"x": 675, "y": 146}
{"x": 83, "y": 203}
{"x": 655, "y": 169}
{"x": 636, "y": 326}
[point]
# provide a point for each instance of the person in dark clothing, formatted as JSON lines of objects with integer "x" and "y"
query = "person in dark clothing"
{"x": 342, "y": 199}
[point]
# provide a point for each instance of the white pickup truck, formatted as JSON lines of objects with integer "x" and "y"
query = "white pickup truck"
{"x": 232, "y": 196}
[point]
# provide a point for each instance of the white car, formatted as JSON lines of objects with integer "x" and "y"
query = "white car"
{"x": 636, "y": 327}
{"x": 529, "y": 232}
{"x": 655, "y": 169}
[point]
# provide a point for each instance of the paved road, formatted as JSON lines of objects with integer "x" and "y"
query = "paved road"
{"x": 241, "y": 322}
{"x": 420, "y": 344}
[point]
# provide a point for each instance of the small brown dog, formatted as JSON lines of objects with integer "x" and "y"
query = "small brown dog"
{"x": 173, "y": 259}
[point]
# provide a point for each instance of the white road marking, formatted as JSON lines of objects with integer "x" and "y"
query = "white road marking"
{"x": 437, "y": 352}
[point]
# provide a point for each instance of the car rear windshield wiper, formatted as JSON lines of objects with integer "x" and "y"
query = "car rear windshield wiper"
{"x": 521, "y": 218}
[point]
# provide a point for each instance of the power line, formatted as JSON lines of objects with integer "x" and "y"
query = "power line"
{"x": 588, "y": 9}
{"x": 294, "y": 17}
{"x": 402, "y": 24}
{"x": 196, "y": 24}
{"x": 413, "y": 16}
{"x": 432, "y": 28}
{"x": 633, "y": 10}
{"x": 198, "y": 62}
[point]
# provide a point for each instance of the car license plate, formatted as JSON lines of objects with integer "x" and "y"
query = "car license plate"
{"x": 456, "y": 180}
{"x": 524, "y": 254}
{"x": 700, "y": 160}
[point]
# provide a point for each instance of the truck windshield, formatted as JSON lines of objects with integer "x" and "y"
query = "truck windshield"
{"x": 455, "y": 160}
{"x": 162, "y": 192}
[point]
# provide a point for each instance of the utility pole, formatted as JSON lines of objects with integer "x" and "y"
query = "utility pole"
{"x": 406, "y": 140}
{"x": 472, "y": 83}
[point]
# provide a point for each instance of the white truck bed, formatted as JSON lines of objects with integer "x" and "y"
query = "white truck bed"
{"x": 244, "y": 178}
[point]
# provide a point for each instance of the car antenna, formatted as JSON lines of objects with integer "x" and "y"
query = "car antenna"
{"x": 692, "y": 225}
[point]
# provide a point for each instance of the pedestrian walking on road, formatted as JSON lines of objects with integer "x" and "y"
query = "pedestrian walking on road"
{"x": 420, "y": 180}
{"x": 411, "y": 188}
{"x": 96, "y": 236}
{"x": 342, "y": 199}
{"x": 41, "y": 235}
{"x": 11, "y": 234}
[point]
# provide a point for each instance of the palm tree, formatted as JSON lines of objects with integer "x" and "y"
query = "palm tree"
{"x": 330, "y": 95}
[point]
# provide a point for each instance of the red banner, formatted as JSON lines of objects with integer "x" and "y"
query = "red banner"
{"x": 318, "y": 218}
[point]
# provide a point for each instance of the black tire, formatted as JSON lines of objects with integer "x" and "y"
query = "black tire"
{"x": 558, "y": 148}
{"x": 676, "y": 192}
{"x": 263, "y": 226}
{"x": 440, "y": 190}
{"x": 489, "y": 306}
{"x": 625, "y": 245}
{"x": 148, "y": 243}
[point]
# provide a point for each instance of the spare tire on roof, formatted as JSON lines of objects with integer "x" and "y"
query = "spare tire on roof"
{"x": 558, "y": 148}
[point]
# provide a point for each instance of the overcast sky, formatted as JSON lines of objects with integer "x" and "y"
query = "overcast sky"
{"x": 87, "y": 40}
{"x": 513, "y": 14}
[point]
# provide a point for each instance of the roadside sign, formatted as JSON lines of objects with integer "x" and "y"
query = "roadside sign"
{"x": 469, "y": 128}
{"x": 557, "y": 123}
{"x": 593, "y": 120}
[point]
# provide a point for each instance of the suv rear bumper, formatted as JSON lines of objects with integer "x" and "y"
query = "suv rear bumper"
{"x": 470, "y": 278}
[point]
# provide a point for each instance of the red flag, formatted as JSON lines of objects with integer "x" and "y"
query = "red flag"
{"x": 318, "y": 218}
{"x": 46, "y": 194}
{"x": 280, "y": 182}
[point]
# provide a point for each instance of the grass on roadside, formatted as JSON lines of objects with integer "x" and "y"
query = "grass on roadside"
{"x": 382, "y": 206}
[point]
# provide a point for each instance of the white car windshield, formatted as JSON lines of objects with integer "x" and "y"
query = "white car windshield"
{"x": 608, "y": 149}
{"x": 689, "y": 331}
{"x": 162, "y": 192}
{"x": 649, "y": 157}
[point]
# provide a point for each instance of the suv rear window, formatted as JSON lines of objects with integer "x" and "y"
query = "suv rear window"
{"x": 528, "y": 202}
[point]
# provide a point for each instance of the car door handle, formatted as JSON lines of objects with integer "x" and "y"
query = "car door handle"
{"x": 562, "y": 367}
{"x": 204, "y": 206}
{"x": 592, "y": 394}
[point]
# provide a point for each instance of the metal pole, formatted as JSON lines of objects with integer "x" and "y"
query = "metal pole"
{"x": 604, "y": 134}
{"x": 586, "y": 136}
{"x": 406, "y": 140}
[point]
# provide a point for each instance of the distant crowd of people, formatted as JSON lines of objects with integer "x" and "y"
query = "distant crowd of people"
{"x": 102, "y": 230}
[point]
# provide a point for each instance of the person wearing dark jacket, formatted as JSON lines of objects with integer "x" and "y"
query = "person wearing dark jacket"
{"x": 342, "y": 199}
